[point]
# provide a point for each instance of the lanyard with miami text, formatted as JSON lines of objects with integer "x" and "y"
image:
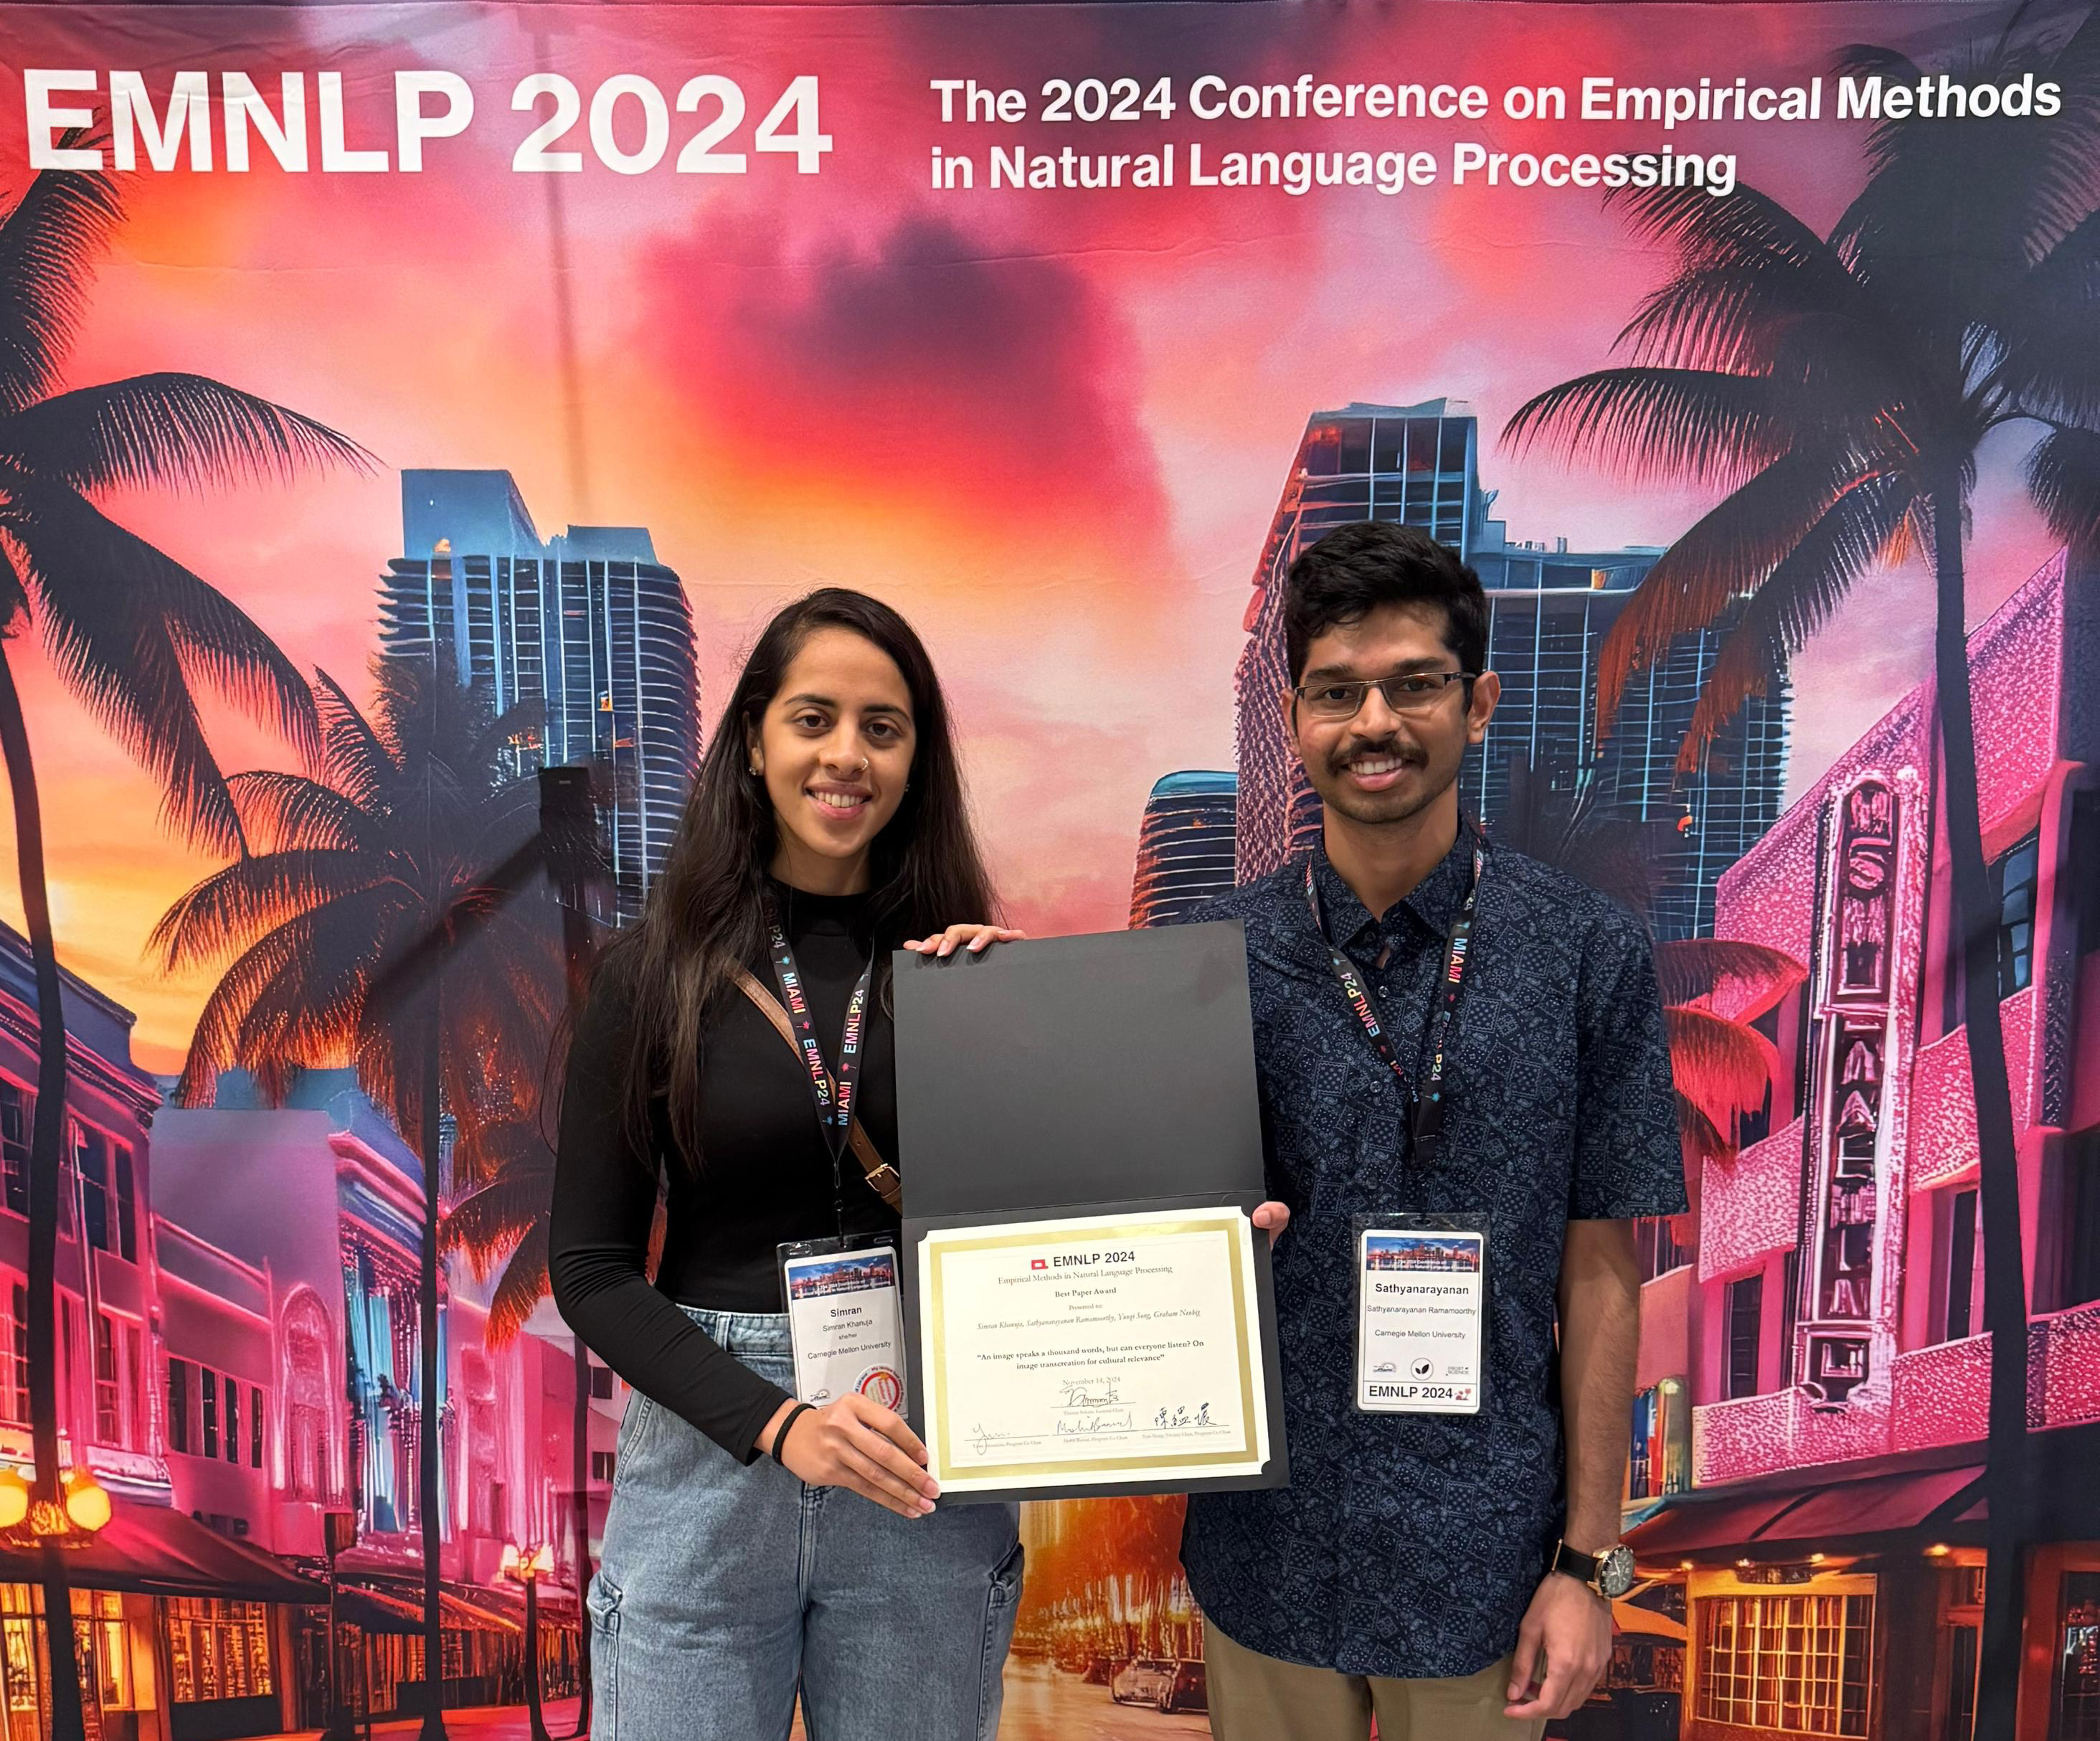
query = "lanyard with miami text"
{"x": 1427, "y": 1116}
{"x": 833, "y": 1094}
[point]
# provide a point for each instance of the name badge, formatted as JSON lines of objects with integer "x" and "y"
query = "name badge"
{"x": 1422, "y": 1293}
{"x": 845, "y": 1321}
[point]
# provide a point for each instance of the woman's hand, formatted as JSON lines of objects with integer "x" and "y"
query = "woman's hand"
{"x": 978, "y": 937}
{"x": 856, "y": 1442}
{"x": 1273, "y": 1217}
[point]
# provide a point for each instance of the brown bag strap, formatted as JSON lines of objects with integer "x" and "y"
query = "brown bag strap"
{"x": 882, "y": 1178}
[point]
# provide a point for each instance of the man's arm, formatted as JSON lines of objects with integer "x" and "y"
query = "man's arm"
{"x": 1600, "y": 1345}
{"x": 1566, "y": 1638}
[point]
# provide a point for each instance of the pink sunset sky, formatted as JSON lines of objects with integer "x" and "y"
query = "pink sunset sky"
{"x": 1051, "y": 426}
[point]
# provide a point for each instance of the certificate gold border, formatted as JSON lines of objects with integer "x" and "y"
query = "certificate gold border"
{"x": 1227, "y": 1224}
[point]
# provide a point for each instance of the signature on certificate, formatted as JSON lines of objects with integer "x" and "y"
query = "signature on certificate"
{"x": 1095, "y": 1423}
{"x": 1181, "y": 1417}
{"x": 1100, "y": 1393}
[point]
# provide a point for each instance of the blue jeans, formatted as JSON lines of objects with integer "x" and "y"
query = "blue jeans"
{"x": 722, "y": 1588}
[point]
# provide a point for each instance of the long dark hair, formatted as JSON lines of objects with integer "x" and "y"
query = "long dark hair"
{"x": 705, "y": 917}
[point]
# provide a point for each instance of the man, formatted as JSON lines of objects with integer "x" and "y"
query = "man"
{"x": 1463, "y": 1063}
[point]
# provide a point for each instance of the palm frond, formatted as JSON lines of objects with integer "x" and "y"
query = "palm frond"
{"x": 489, "y": 1221}
{"x": 1739, "y": 981}
{"x": 2064, "y": 474}
{"x": 1650, "y": 424}
{"x": 184, "y": 430}
{"x": 1722, "y": 1067}
{"x": 1872, "y": 522}
{"x": 1730, "y": 550}
{"x": 1698, "y": 1136}
{"x": 283, "y": 811}
{"x": 48, "y": 242}
{"x": 356, "y": 761}
{"x": 524, "y": 1284}
{"x": 216, "y": 917}
{"x": 128, "y": 628}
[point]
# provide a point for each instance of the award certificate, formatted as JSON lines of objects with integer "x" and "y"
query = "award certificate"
{"x": 1098, "y": 1350}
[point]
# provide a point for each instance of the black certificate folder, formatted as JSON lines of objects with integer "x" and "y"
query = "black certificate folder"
{"x": 1097, "y": 1077}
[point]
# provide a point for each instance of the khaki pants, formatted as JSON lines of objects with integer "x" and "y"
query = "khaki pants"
{"x": 1257, "y": 1698}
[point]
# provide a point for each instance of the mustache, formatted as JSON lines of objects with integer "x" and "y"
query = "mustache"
{"x": 1339, "y": 759}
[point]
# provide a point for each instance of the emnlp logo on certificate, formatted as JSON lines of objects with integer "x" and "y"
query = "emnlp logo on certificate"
{"x": 1420, "y": 1321}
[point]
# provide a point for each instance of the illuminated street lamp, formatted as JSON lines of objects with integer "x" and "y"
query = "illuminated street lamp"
{"x": 527, "y": 1566}
{"x": 73, "y": 1519}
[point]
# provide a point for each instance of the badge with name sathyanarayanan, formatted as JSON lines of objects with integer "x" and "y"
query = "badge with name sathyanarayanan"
{"x": 1421, "y": 1296}
{"x": 844, "y": 1321}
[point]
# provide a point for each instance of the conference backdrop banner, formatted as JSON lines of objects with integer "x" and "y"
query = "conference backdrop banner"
{"x": 398, "y": 401}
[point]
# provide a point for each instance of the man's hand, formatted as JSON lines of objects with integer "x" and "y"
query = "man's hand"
{"x": 1271, "y": 1218}
{"x": 1561, "y": 1650}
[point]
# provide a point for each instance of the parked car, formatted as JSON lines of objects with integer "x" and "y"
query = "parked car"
{"x": 1166, "y": 1683}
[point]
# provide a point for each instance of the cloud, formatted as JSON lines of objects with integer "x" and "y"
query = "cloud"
{"x": 920, "y": 369}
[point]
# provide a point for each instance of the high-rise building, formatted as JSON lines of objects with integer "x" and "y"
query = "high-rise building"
{"x": 1184, "y": 846}
{"x": 1549, "y": 610}
{"x": 1415, "y": 464}
{"x": 589, "y": 623}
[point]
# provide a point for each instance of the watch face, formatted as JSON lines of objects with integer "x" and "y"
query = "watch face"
{"x": 1615, "y": 1572}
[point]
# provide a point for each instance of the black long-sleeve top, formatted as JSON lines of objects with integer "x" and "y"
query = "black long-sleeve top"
{"x": 764, "y": 1176}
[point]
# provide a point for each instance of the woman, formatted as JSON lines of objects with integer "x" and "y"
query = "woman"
{"x": 756, "y": 1545}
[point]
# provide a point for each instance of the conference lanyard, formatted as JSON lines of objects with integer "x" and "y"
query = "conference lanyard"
{"x": 833, "y": 1094}
{"x": 1427, "y": 1115}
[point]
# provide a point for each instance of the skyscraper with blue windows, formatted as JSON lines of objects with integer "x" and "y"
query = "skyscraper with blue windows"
{"x": 1184, "y": 846}
{"x": 589, "y": 623}
{"x": 1548, "y": 610}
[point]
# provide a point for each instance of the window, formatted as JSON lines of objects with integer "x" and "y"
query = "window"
{"x": 304, "y": 1382}
{"x": 1960, "y": 1284}
{"x": 134, "y": 1386}
{"x": 2085, "y": 870}
{"x": 208, "y": 1387}
{"x": 1656, "y": 1245}
{"x": 108, "y": 1392}
{"x": 1746, "y": 1312}
{"x": 1796, "y": 1664}
{"x": 601, "y": 1382}
{"x": 1961, "y": 1684}
{"x": 255, "y": 1427}
{"x": 90, "y": 1161}
{"x": 1789, "y": 1314}
{"x": 179, "y": 1438}
{"x": 2078, "y": 1227}
{"x": 2078, "y": 1662}
{"x": 232, "y": 1420}
{"x": 601, "y": 1465}
{"x": 2013, "y": 880}
{"x": 218, "y": 1649}
{"x": 104, "y": 1652}
{"x": 127, "y": 1211}
{"x": 15, "y": 1120}
{"x": 14, "y": 1356}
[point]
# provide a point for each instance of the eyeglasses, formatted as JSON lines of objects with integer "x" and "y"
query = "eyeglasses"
{"x": 1411, "y": 692}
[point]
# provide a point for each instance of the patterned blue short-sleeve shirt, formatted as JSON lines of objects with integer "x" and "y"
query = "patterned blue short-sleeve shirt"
{"x": 1409, "y": 1545}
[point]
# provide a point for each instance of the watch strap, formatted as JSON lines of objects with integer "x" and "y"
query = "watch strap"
{"x": 1584, "y": 1568}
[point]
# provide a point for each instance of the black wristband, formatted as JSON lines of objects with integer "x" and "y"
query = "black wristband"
{"x": 780, "y": 1437}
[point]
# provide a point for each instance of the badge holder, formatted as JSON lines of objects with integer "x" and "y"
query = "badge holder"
{"x": 1422, "y": 1306}
{"x": 844, "y": 1319}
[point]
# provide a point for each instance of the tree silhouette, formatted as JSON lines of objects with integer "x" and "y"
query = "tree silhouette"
{"x": 1838, "y": 389}
{"x": 132, "y": 634}
{"x": 366, "y": 923}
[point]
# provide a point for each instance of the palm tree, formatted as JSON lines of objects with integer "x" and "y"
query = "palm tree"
{"x": 1838, "y": 389}
{"x": 365, "y": 924}
{"x": 130, "y": 631}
